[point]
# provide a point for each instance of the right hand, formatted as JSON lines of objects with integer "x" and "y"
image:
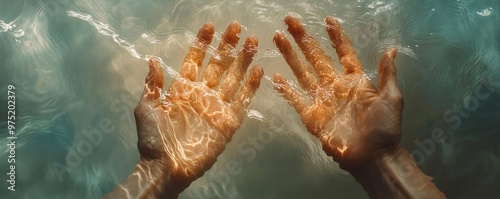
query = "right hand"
{"x": 355, "y": 121}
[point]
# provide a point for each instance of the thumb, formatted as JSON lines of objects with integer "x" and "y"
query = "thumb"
{"x": 154, "y": 82}
{"x": 388, "y": 86}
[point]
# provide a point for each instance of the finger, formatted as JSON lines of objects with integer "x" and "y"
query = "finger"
{"x": 313, "y": 53}
{"x": 387, "y": 82}
{"x": 293, "y": 97}
{"x": 238, "y": 69}
{"x": 154, "y": 82}
{"x": 248, "y": 90}
{"x": 223, "y": 58}
{"x": 302, "y": 72}
{"x": 347, "y": 54}
{"x": 192, "y": 63}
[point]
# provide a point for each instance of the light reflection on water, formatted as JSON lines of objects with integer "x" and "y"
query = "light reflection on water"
{"x": 77, "y": 63}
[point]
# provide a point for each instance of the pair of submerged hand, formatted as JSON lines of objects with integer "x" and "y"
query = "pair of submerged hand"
{"x": 183, "y": 132}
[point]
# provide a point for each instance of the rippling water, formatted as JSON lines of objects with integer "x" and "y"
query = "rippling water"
{"x": 78, "y": 63}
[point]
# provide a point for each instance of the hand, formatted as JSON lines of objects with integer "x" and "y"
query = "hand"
{"x": 358, "y": 125}
{"x": 186, "y": 131}
{"x": 355, "y": 121}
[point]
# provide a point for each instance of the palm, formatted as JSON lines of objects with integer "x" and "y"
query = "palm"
{"x": 187, "y": 130}
{"x": 187, "y": 139}
{"x": 350, "y": 126}
{"x": 353, "y": 120}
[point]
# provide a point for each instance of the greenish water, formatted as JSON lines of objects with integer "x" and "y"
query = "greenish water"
{"x": 79, "y": 64}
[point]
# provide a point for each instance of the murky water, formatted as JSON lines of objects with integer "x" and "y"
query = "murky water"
{"x": 79, "y": 64}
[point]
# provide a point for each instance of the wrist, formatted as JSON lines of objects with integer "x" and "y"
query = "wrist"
{"x": 366, "y": 157}
{"x": 164, "y": 182}
{"x": 376, "y": 176}
{"x": 395, "y": 175}
{"x": 148, "y": 180}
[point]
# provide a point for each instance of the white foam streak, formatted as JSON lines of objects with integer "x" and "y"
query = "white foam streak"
{"x": 106, "y": 30}
{"x": 9, "y": 27}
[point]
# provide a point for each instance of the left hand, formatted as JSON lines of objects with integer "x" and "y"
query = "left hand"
{"x": 184, "y": 133}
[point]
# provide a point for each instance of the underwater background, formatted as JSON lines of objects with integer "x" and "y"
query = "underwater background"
{"x": 79, "y": 64}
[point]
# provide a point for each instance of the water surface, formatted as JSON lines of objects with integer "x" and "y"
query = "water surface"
{"x": 79, "y": 63}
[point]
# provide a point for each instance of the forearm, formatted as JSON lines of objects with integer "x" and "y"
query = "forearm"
{"x": 146, "y": 182}
{"x": 395, "y": 175}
